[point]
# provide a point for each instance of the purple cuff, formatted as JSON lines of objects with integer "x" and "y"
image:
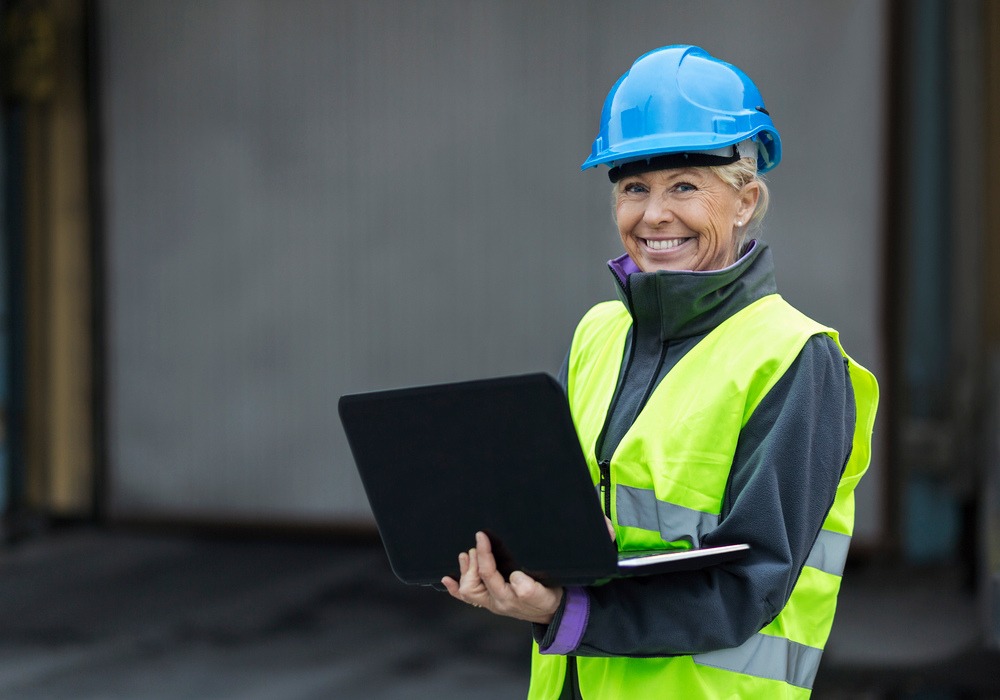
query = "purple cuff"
{"x": 572, "y": 624}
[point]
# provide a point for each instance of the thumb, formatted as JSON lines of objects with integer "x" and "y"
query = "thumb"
{"x": 521, "y": 582}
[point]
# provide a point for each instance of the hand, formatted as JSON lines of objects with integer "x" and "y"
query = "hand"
{"x": 482, "y": 586}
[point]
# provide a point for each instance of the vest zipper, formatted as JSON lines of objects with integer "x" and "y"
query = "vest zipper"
{"x": 605, "y": 467}
{"x": 601, "y": 448}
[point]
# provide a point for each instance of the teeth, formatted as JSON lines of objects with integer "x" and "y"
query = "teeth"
{"x": 664, "y": 245}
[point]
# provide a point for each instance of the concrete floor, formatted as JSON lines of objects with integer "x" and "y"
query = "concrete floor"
{"x": 95, "y": 613}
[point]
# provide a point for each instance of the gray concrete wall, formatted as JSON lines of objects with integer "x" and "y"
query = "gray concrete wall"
{"x": 311, "y": 198}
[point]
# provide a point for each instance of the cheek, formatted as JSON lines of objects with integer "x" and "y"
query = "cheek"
{"x": 719, "y": 221}
{"x": 626, "y": 217}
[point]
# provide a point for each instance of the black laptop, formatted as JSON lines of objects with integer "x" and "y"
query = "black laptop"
{"x": 441, "y": 462}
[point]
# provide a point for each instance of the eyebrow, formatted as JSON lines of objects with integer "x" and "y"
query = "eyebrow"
{"x": 674, "y": 174}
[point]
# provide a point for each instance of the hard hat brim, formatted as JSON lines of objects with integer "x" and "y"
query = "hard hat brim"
{"x": 769, "y": 149}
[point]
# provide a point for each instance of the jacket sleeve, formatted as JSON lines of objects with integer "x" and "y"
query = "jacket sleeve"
{"x": 788, "y": 462}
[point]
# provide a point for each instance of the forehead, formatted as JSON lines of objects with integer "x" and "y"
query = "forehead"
{"x": 674, "y": 173}
{"x": 696, "y": 175}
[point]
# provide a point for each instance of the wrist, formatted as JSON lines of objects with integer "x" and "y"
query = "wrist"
{"x": 546, "y": 617}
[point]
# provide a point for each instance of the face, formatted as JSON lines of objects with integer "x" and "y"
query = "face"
{"x": 681, "y": 219}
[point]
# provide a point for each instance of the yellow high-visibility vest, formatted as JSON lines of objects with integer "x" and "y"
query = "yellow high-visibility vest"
{"x": 668, "y": 486}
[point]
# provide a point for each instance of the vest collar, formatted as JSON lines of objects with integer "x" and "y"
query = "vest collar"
{"x": 682, "y": 304}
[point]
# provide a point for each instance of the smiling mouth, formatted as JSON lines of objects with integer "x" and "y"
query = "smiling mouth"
{"x": 666, "y": 244}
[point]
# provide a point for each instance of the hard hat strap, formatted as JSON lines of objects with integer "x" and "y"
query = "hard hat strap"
{"x": 672, "y": 160}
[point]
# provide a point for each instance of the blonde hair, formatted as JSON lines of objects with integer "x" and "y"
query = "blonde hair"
{"x": 738, "y": 175}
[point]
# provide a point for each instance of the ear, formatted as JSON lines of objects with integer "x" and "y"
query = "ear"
{"x": 746, "y": 200}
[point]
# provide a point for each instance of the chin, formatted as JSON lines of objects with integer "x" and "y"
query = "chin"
{"x": 672, "y": 266}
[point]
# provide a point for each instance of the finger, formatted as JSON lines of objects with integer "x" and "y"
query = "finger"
{"x": 451, "y": 585}
{"x": 485, "y": 560}
{"x": 471, "y": 586}
{"x": 537, "y": 602}
{"x": 468, "y": 579}
{"x": 528, "y": 589}
{"x": 472, "y": 568}
{"x": 488, "y": 573}
{"x": 611, "y": 527}
{"x": 522, "y": 584}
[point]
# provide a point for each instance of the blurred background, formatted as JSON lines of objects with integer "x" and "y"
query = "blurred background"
{"x": 221, "y": 215}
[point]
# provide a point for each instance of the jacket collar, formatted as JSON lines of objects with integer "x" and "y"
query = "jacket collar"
{"x": 681, "y": 304}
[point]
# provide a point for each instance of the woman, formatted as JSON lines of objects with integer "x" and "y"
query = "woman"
{"x": 711, "y": 412}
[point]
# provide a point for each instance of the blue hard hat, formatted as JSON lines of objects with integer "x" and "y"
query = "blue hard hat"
{"x": 682, "y": 100}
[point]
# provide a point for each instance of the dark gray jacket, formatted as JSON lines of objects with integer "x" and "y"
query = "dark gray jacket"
{"x": 783, "y": 480}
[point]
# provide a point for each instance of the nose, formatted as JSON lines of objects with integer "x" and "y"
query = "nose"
{"x": 658, "y": 211}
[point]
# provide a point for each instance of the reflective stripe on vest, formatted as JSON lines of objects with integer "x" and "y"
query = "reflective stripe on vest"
{"x": 640, "y": 508}
{"x": 765, "y": 656}
{"x": 829, "y": 553}
{"x": 668, "y": 487}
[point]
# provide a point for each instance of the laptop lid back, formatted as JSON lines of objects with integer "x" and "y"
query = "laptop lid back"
{"x": 499, "y": 455}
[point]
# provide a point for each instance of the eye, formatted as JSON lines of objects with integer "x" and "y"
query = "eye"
{"x": 634, "y": 187}
{"x": 684, "y": 187}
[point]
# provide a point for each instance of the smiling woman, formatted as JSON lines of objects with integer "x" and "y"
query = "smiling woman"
{"x": 710, "y": 411}
{"x": 682, "y": 219}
